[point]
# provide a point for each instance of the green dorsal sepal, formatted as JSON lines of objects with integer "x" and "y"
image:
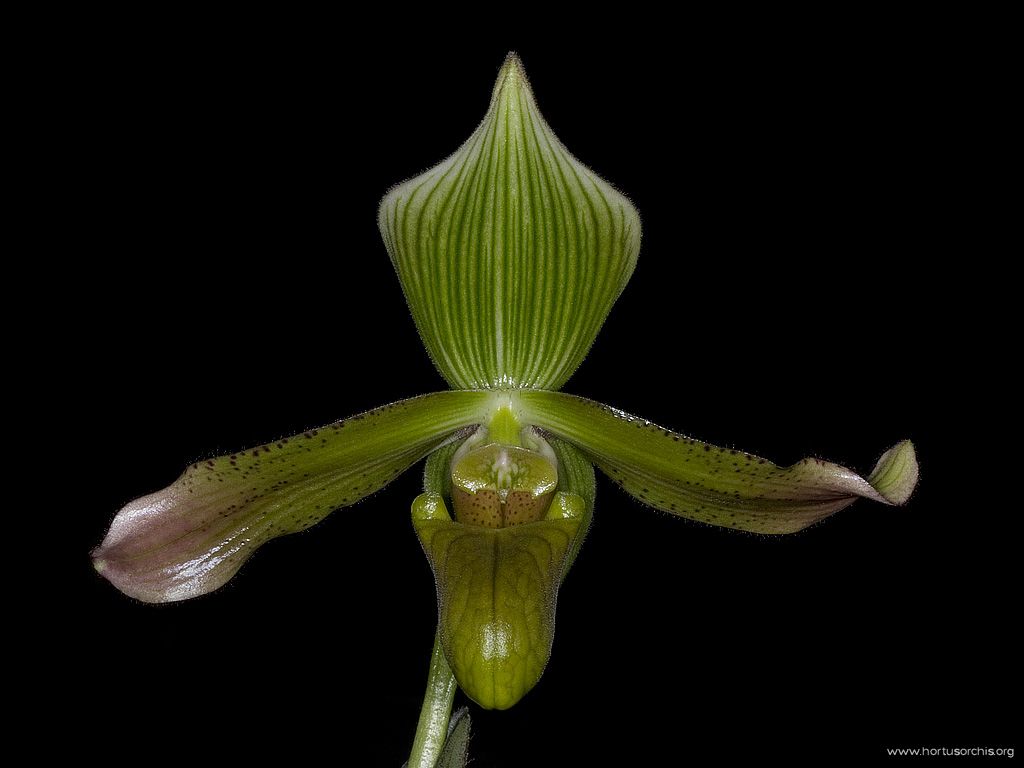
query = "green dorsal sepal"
{"x": 511, "y": 252}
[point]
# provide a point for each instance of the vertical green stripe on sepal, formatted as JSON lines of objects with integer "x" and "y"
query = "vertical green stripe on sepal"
{"x": 510, "y": 252}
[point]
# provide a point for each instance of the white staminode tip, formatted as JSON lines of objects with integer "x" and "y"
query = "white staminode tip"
{"x": 502, "y": 469}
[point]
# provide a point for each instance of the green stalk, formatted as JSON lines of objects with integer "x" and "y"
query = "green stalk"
{"x": 437, "y": 709}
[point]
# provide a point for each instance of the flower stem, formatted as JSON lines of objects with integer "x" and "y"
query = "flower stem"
{"x": 437, "y": 709}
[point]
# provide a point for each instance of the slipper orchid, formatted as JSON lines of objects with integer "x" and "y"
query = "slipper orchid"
{"x": 511, "y": 254}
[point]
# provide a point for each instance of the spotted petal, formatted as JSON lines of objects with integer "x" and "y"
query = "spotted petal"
{"x": 715, "y": 485}
{"x": 511, "y": 252}
{"x": 192, "y": 536}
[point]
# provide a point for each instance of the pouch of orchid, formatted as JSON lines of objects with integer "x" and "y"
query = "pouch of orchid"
{"x": 510, "y": 253}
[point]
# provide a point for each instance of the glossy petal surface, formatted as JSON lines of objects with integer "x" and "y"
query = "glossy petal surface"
{"x": 192, "y": 536}
{"x": 511, "y": 252}
{"x": 714, "y": 485}
{"x": 497, "y": 588}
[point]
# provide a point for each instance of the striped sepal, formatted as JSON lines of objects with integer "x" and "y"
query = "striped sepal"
{"x": 511, "y": 252}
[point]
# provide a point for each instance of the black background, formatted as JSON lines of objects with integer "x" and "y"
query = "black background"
{"x": 791, "y": 299}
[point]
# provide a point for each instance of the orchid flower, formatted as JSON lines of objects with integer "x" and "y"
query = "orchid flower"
{"x": 511, "y": 254}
